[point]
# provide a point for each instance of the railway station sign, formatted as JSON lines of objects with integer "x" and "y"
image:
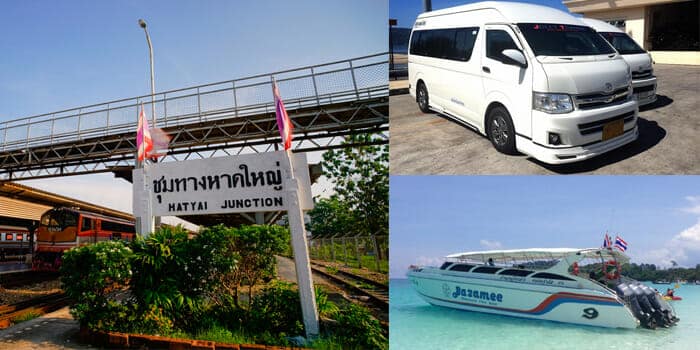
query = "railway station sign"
{"x": 235, "y": 184}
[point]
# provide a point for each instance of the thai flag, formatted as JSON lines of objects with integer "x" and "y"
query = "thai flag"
{"x": 284, "y": 124}
{"x": 607, "y": 243}
{"x": 620, "y": 243}
{"x": 151, "y": 143}
{"x": 144, "y": 143}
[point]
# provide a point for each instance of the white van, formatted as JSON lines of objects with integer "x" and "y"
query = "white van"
{"x": 531, "y": 78}
{"x": 643, "y": 79}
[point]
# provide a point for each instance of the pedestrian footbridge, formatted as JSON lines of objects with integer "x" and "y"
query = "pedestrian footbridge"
{"x": 325, "y": 102}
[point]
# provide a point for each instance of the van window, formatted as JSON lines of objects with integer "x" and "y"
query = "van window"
{"x": 496, "y": 42}
{"x": 548, "y": 39}
{"x": 452, "y": 44}
{"x": 622, "y": 43}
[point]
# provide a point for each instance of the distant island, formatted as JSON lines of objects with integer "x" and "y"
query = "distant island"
{"x": 650, "y": 272}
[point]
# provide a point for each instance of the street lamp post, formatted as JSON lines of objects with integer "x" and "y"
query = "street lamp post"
{"x": 142, "y": 24}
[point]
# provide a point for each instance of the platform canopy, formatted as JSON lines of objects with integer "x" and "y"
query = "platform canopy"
{"x": 24, "y": 202}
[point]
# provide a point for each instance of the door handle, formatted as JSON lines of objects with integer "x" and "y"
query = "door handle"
{"x": 486, "y": 69}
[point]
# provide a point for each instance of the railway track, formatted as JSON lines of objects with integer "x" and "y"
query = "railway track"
{"x": 366, "y": 280}
{"x": 39, "y": 305}
{"x": 19, "y": 279}
{"x": 361, "y": 289}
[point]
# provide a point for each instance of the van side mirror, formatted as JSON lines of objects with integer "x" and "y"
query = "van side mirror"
{"x": 514, "y": 57}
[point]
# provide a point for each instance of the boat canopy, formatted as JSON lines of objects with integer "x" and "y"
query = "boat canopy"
{"x": 540, "y": 253}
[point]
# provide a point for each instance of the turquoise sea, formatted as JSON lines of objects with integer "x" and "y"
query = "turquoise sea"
{"x": 417, "y": 325}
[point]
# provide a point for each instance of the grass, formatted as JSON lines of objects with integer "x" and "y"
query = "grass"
{"x": 368, "y": 261}
{"x": 326, "y": 344}
{"x": 365, "y": 285}
{"x": 217, "y": 334}
{"x": 223, "y": 335}
{"x": 26, "y": 317}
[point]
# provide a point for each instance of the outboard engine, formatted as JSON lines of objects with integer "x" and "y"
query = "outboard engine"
{"x": 662, "y": 305}
{"x": 643, "y": 300}
{"x": 666, "y": 307}
{"x": 662, "y": 319}
{"x": 645, "y": 318}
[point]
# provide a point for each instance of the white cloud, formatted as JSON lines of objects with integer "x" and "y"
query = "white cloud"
{"x": 684, "y": 248}
{"x": 689, "y": 238}
{"x": 694, "y": 207}
{"x": 490, "y": 244}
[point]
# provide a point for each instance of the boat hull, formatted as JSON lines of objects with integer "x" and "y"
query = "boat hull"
{"x": 525, "y": 300}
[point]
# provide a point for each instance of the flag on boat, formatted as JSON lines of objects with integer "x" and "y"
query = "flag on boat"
{"x": 620, "y": 243}
{"x": 284, "y": 124}
{"x": 151, "y": 143}
{"x": 607, "y": 242}
{"x": 144, "y": 143}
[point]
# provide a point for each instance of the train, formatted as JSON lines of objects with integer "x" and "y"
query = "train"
{"x": 15, "y": 242}
{"x": 63, "y": 228}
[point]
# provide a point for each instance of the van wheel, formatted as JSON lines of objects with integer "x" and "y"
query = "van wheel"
{"x": 422, "y": 97}
{"x": 500, "y": 130}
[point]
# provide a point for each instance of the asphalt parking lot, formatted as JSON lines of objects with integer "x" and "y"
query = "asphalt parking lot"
{"x": 669, "y": 141}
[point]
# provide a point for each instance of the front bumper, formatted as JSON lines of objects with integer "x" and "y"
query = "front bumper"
{"x": 581, "y": 133}
{"x": 644, "y": 90}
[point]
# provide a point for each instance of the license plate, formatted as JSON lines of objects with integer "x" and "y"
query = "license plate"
{"x": 613, "y": 129}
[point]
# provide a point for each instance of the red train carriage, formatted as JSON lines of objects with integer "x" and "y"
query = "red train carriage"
{"x": 14, "y": 242}
{"x": 63, "y": 228}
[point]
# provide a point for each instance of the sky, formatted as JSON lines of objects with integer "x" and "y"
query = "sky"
{"x": 433, "y": 216}
{"x": 406, "y": 11}
{"x": 63, "y": 54}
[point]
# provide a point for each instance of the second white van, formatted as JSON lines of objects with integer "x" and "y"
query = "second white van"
{"x": 643, "y": 79}
{"x": 531, "y": 78}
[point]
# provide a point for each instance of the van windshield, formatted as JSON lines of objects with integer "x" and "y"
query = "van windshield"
{"x": 622, "y": 43}
{"x": 547, "y": 39}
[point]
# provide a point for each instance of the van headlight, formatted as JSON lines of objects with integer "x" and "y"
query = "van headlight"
{"x": 552, "y": 103}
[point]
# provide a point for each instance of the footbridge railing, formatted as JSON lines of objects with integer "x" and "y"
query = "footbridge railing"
{"x": 322, "y": 100}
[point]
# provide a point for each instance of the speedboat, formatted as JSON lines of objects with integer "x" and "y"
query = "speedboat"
{"x": 580, "y": 286}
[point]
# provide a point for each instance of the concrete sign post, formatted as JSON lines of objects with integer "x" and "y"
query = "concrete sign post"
{"x": 143, "y": 206}
{"x": 237, "y": 184}
{"x": 301, "y": 260}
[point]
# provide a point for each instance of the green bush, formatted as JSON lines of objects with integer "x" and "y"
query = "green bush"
{"x": 256, "y": 247}
{"x": 325, "y": 307}
{"x": 174, "y": 274}
{"x": 169, "y": 284}
{"x": 277, "y": 309}
{"x": 89, "y": 275}
{"x": 358, "y": 329}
